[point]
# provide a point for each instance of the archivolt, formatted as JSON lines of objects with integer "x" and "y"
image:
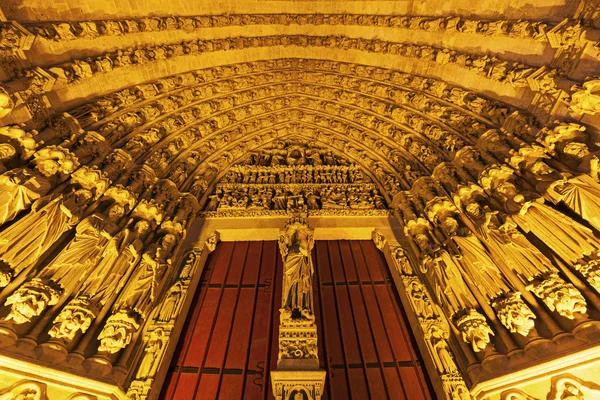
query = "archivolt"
{"x": 402, "y": 125}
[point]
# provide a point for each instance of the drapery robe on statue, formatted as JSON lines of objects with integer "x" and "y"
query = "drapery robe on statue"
{"x": 18, "y": 190}
{"x": 582, "y": 195}
{"x": 297, "y": 283}
{"x": 22, "y": 244}
{"x": 122, "y": 252}
{"x": 449, "y": 286}
{"x": 295, "y": 246}
{"x": 92, "y": 236}
{"x": 566, "y": 237}
{"x": 141, "y": 287}
{"x": 479, "y": 267}
{"x": 512, "y": 249}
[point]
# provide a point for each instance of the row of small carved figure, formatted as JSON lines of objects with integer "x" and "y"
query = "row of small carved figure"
{"x": 128, "y": 122}
{"x": 212, "y": 77}
{"x": 353, "y": 197}
{"x": 91, "y": 29}
{"x": 299, "y": 174}
{"x": 119, "y": 128}
{"x": 493, "y": 68}
{"x": 303, "y": 156}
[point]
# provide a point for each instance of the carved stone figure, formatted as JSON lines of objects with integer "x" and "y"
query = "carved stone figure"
{"x": 296, "y": 244}
{"x": 586, "y": 100}
{"x": 507, "y": 245}
{"x": 475, "y": 261}
{"x": 437, "y": 341}
{"x": 21, "y": 187}
{"x": 23, "y": 243}
{"x": 567, "y": 238}
{"x": 104, "y": 280}
{"x": 24, "y": 390}
{"x": 152, "y": 354}
{"x": 515, "y": 314}
{"x": 62, "y": 274}
{"x": 560, "y": 296}
{"x": 474, "y": 330}
{"x": 117, "y": 332}
{"x": 140, "y": 290}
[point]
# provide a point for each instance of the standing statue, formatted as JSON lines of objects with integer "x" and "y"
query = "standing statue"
{"x": 107, "y": 278}
{"x": 474, "y": 260}
{"x": 62, "y": 275}
{"x": 296, "y": 244}
{"x": 19, "y": 188}
{"x": 566, "y": 237}
{"x": 142, "y": 286}
{"x": 23, "y": 243}
{"x": 507, "y": 245}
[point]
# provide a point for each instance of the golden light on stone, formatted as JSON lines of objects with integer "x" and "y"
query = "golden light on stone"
{"x": 464, "y": 142}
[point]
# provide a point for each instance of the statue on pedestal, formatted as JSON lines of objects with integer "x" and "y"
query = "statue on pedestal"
{"x": 296, "y": 244}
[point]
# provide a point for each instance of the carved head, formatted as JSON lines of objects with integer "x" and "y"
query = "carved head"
{"x": 474, "y": 210}
{"x": 576, "y": 149}
{"x": 115, "y": 212}
{"x": 168, "y": 242}
{"x": 6, "y": 151}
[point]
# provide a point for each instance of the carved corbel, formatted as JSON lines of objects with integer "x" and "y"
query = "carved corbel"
{"x": 514, "y": 313}
{"x": 560, "y": 296}
{"x": 474, "y": 329}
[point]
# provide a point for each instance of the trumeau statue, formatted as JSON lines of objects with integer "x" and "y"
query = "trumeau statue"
{"x": 295, "y": 245}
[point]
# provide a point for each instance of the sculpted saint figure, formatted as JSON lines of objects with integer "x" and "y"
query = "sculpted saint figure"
{"x": 437, "y": 341}
{"x": 296, "y": 244}
{"x": 19, "y": 188}
{"x": 106, "y": 278}
{"x": 566, "y": 237}
{"x": 67, "y": 269}
{"x": 121, "y": 253}
{"x": 586, "y": 100}
{"x": 507, "y": 245}
{"x": 475, "y": 261}
{"x": 22, "y": 244}
{"x": 580, "y": 193}
{"x": 141, "y": 287}
{"x": 91, "y": 237}
{"x": 152, "y": 352}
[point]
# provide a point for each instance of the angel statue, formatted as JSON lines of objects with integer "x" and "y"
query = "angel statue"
{"x": 295, "y": 244}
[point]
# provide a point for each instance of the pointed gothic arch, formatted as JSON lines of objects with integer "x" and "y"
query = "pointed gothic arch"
{"x": 477, "y": 127}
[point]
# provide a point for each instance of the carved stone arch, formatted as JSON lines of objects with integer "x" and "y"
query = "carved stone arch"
{"x": 437, "y": 94}
{"x": 409, "y": 160}
{"x": 388, "y": 142}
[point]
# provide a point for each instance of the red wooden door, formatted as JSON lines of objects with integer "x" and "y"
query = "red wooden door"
{"x": 229, "y": 343}
{"x": 369, "y": 352}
